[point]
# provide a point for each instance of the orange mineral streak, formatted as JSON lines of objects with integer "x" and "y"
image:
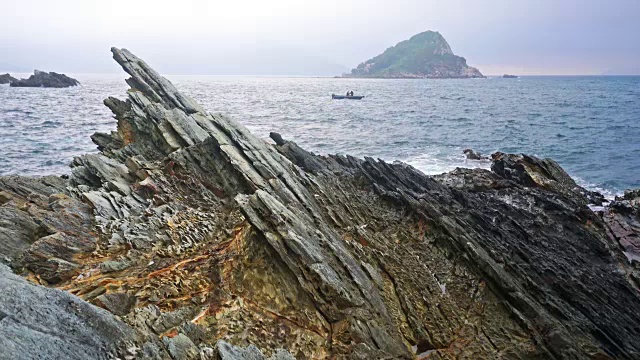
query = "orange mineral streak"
{"x": 126, "y": 132}
{"x": 200, "y": 316}
{"x": 177, "y": 266}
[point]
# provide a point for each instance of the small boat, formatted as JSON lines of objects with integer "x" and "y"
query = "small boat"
{"x": 507, "y": 76}
{"x": 342, "y": 97}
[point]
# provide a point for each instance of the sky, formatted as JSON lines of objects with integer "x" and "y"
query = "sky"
{"x": 318, "y": 37}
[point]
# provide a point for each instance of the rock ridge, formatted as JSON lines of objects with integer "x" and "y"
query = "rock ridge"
{"x": 45, "y": 79}
{"x": 7, "y": 79}
{"x": 199, "y": 235}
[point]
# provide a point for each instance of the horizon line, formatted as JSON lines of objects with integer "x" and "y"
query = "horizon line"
{"x": 310, "y": 75}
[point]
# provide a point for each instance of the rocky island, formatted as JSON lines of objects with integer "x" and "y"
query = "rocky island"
{"x": 425, "y": 55}
{"x": 45, "y": 79}
{"x": 7, "y": 79}
{"x": 187, "y": 237}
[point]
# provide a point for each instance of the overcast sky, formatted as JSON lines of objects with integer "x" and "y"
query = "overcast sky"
{"x": 318, "y": 36}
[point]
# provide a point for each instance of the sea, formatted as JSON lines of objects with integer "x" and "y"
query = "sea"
{"x": 589, "y": 125}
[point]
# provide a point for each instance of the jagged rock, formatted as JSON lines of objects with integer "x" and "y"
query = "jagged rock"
{"x": 117, "y": 303}
{"x": 546, "y": 173}
{"x": 472, "y": 155}
{"x": 45, "y": 79}
{"x": 324, "y": 256}
{"x": 181, "y": 347}
{"x": 227, "y": 351}
{"x": 7, "y": 79}
{"x": 41, "y": 323}
{"x": 622, "y": 218}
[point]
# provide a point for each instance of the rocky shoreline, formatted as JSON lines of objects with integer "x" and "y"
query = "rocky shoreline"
{"x": 187, "y": 237}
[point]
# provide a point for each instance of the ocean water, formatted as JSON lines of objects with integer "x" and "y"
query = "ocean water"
{"x": 590, "y": 125}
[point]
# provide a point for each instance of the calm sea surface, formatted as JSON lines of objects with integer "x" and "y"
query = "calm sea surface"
{"x": 590, "y": 125}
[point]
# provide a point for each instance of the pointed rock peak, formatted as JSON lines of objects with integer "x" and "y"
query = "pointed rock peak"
{"x": 433, "y": 37}
{"x": 424, "y": 55}
{"x": 155, "y": 87}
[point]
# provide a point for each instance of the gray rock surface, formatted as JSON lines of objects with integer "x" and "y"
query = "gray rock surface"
{"x": 227, "y": 351}
{"x": 181, "y": 347}
{"x": 6, "y": 79}
{"x": 41, "y": 323}
{"x": 117, "y": 303}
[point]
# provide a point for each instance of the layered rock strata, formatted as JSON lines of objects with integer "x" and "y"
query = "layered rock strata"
{"x": 195, "y": 232}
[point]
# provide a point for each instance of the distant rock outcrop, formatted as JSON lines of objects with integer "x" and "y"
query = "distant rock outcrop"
{"x": 46, "y": 79}
{"x": 7, "y": 79}
{"x": 425, "y": 55}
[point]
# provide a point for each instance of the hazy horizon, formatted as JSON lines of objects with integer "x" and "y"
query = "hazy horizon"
{"x": 285, "y": 37}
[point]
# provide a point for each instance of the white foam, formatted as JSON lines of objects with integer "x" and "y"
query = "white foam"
{"x": 430, "y": 164}
{"x": 607, "y": 193}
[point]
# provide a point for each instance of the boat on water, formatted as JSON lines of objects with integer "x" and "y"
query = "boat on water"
{"x": 507, "y": 76}
{"x": 343, "y": 97}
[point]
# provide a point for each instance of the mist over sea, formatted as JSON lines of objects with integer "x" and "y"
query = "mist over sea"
{"x": 590, "y": 125}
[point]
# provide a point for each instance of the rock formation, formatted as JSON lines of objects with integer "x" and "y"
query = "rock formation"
{"x": 45, "y": 79}
{"x": 472, "y": 155}
{"x": 208, "y": 242}
{"x": 7, "y": 79}
{"x": 425, "y": 55}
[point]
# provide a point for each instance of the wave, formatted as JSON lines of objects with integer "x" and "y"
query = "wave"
{"x": 432, "y": 164}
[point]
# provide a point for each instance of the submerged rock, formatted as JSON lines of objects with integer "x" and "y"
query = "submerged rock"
{"x": 6, "y": 79}
{"x": 45, "y": 79}
{"x": 194, "y": 230}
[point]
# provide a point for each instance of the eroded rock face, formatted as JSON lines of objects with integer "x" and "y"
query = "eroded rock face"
{"x": 193, "y": 231}
{"x": 45, "y": 79}
{"x": 622, "y": 219}
{"x": 41, "y": 323}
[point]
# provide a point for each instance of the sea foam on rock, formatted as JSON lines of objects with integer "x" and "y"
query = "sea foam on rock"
{"x": 194, "y": 230}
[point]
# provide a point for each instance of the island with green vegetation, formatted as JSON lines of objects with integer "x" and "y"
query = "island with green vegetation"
{"x": 424, "y": 56}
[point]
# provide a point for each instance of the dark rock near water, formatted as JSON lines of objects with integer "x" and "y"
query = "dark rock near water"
{"x": 7, "y": 79}
{"x": 45, "y": 79}
{"x": 472, "y": 155}
{"x": 220, "y": 235}
{"x": 545, "y": 173}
